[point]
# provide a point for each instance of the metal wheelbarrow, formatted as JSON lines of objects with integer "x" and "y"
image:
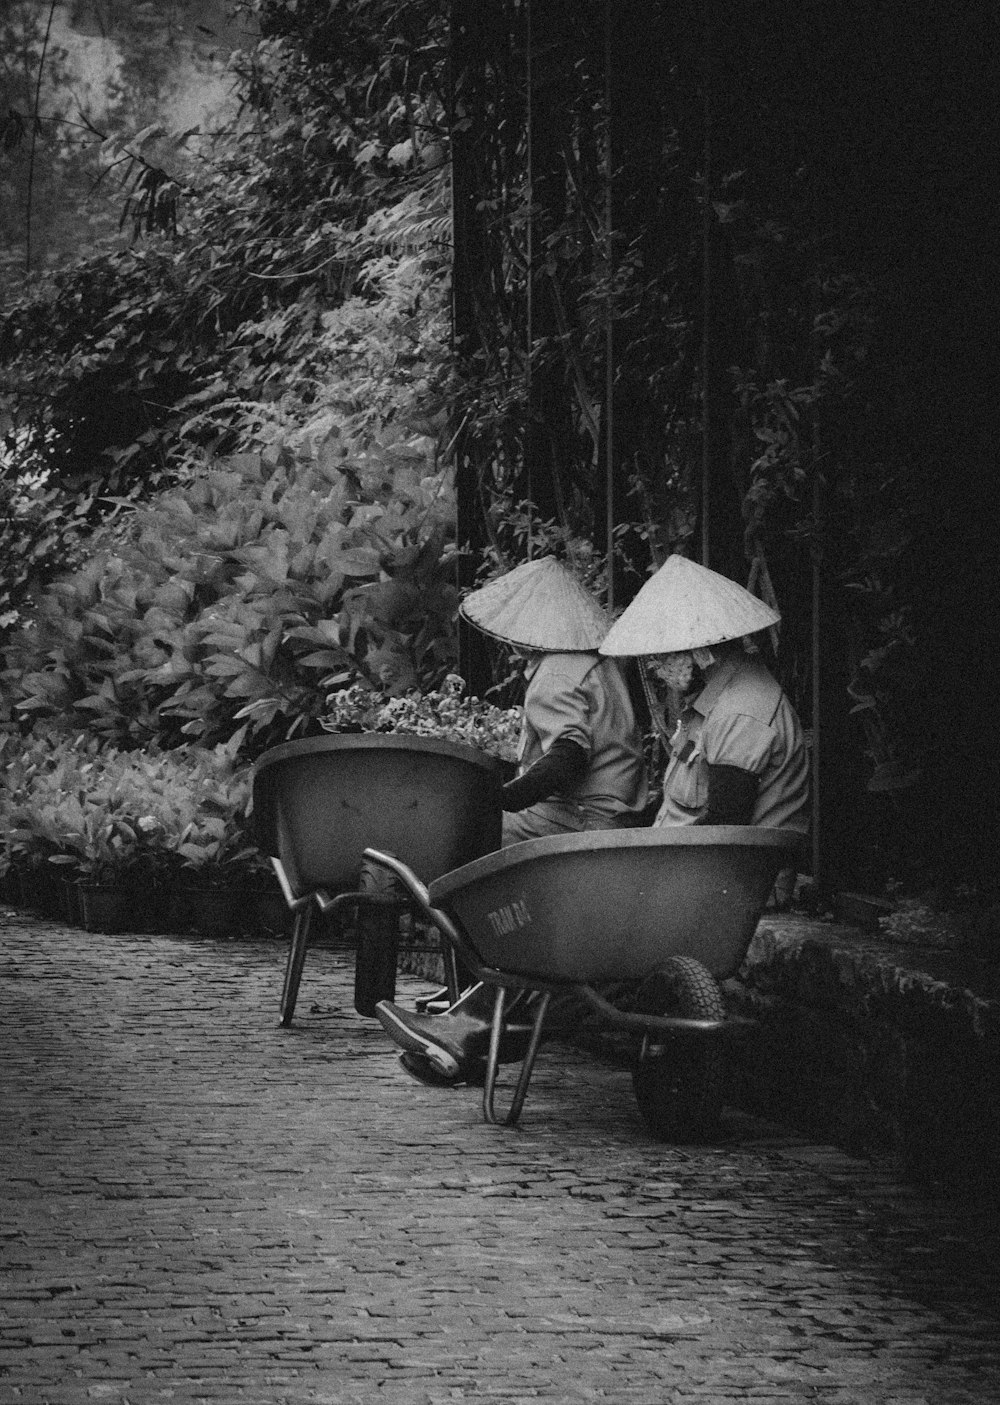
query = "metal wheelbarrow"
{"x": 318, "y": 802}
{"x": 665, "y": 913}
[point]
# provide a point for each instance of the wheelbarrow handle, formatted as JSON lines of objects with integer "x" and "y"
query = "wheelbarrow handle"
{"x": 421, "y": 897}
{"x": 286, "y": 888}
{"x": 406, "y": 876}
{"x": 359, "y": 898}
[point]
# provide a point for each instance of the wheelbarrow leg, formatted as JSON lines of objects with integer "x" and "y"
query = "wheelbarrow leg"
{"x": 377, "y": 941}
{"x": 527, "y": 1065}
{"x": 296, "y": 960}
{"x": 453, "y": 988}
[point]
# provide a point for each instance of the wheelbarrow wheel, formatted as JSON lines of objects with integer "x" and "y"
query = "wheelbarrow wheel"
{"x": 678, "y": 1082}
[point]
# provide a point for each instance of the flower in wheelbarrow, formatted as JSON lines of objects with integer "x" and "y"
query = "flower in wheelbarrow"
{"x": 444, "y": 713}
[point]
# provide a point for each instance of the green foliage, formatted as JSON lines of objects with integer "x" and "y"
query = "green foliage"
{"x": 282, "y": 323}
{"x": 740, "y": 312}
{"x": 443, "y": 713}
{"x": 294, "y": 248}
{"x": 379, "y": 68}
{"x": 101, "y": 814}
{"x": 53, "y": 117}
{"x": 105, "y": 816}
{"x": 963, "y": 918}
{"x": 36, "y": 529}
{"x": 281, "y": 361}
{"x": 916, "y": 922}
{"x": 226, "y": 609}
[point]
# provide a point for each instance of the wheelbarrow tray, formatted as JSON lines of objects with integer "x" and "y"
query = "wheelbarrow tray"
{"x": 612, "y": 905}
{"x": 320, "y": 801}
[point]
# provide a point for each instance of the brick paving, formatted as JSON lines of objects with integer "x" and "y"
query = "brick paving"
{"x": 199, "y": 1206}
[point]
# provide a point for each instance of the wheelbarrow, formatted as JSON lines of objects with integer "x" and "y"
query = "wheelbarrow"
{"x": 319, "y": 801}
{"x": 660, "y": 916}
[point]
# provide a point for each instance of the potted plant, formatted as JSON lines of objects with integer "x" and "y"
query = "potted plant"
{"x": 103, "y": 848}
{"x": 10, "y": 887}
{"x": 203, "y": 837}
{"x": 110, "y": 874}
{"x": 40, "y": 805}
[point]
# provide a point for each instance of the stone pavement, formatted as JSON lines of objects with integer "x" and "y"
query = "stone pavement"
{"x": 199, "y": 1206}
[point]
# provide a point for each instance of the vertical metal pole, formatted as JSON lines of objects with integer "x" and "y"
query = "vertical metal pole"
{"x": 34, "y": 139}
{"x": 529, "y": 303}
{"x": 467, "y": 61}
{"x": 706, "y": 291}
{"x": 816, "y": 600}
{"x": 609, "y": 337}
{"x": 453, "y": 23}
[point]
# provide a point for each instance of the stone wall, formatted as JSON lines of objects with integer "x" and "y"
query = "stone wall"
{"x": 876, "y": 1047}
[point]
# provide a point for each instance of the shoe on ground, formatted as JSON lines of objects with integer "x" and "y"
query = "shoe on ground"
{"x": 420, "y": 1068}
{"x": 449, "y": 1042}
{"x": 424, "y": 1071}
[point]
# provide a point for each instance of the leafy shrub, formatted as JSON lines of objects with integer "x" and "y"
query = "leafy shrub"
{"x": 966, "y": 919}
{"x": 916, "y": 922}
{"x": 275, "y": 274}
{"x": 225, "y": 610}
{"x": 103, "y": 815}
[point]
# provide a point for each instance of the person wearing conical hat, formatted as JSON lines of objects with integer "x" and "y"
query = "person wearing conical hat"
{"x": 580, "y": 763}
{"x": 738, "y": 755}
{"x": 581, "y": 767}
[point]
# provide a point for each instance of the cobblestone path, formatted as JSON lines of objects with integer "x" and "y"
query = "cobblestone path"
{"x": 199, "y": 1206}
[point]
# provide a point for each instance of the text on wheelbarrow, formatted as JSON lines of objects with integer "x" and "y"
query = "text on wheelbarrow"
{"x": 509, "y": 918}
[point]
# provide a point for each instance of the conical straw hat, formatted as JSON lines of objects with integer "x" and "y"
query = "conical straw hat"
{"x": 540, "y": 605}
{"x": 686, "y": 606}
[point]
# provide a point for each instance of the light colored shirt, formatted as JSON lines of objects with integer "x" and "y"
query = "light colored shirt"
{"x": 583, "y": 698}
{"x": 740, "y": 718}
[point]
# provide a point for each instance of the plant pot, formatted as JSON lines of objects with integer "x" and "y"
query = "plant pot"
{"x": 269, "y": 914}
{"x": 41, "y": 891}
{"x": 214, "y": 912}
{"x": 106, "y": 908}
{"x": 10, "y": 887}
{"x": 72, "y": 913}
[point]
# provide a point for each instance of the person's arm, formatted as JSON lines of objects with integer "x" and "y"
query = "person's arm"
{"x": 557, "y": 711}
{"x": 736, "y": 749}
{"x": 561, "y": 768}
{"x": 732, "y": 793}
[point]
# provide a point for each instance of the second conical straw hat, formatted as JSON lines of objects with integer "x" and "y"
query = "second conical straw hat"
{"x": 540, "y": 605}
{"x": 686, "y": 606}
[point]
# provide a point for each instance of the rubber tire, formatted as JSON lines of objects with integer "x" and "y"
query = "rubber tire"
{"x": 679, "y": 1083}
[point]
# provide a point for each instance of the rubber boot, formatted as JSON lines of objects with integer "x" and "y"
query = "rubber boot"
{"x": 456, "y": 1040}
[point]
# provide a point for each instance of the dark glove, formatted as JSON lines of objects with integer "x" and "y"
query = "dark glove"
{"x": 732, "y": 793}
{"x": 562, "y": 767}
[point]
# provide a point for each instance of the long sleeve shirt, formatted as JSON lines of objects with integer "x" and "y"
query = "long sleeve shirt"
{"x": 583, "y": 698}
{"x": 740, "y": 718}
